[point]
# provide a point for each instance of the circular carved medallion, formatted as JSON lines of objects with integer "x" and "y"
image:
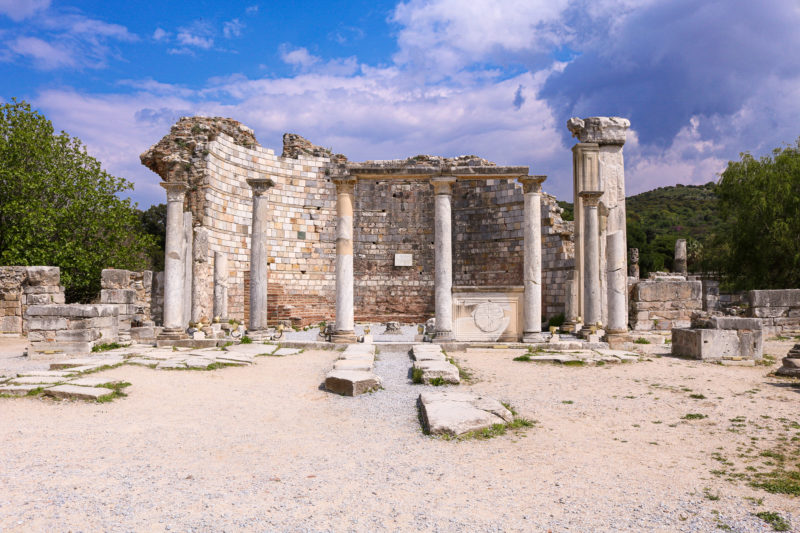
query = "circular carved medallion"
{"x": 488, "y": 316}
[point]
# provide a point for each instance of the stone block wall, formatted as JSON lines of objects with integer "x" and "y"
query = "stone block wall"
{"x": 663, "y": 305}
{"x": 779, "y": 310}
{"x": 216, "y": 156}
{"x": 133, "y": 293}
{"x": 73, "y": 328}
{"x": 23, "y": 286}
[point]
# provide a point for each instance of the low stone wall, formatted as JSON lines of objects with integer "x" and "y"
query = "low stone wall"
{"x": 720, "y": 338}
{"x": 779, "y": 310}
{"x": 70, "y": 329}
{"x": 664, "y": 304}
{"x": 133, "y": 293}
{"x": 22, "y": 286}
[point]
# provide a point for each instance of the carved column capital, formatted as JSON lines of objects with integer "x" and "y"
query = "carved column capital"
{"x": 344, "y": 184}
{"x": 443, "y": 184}
{"x": 590, "y": 198}
{"x": 532, "y": 184}
{"x": 260, "y": 185}
{"x": 600, "y": 130}
{"x": 176, "y": 190}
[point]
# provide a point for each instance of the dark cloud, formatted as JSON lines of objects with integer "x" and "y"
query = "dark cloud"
{"x": 518, "y": 98}
{"x": 663, "y": 64}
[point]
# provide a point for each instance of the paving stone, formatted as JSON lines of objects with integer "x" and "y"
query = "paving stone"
{"x": 75, "y": 392}
{"x": 199, "y": 362}
{"x": 356, "y": 356}
{"x": 233, "y": 356}
{"x": 554, "y": 358}
{"x": 429, "y": 356}
{"x": 250, "y": 349}
{"x": 88, "y": 361}
{"x": 48, "y": 373}
{"x": 353, "y": 364}
{"x": 17, "y": 390}
{"x": 456, "y": 413}
{"x": 86, "y": 368}
{"x": 231, "y": 362}
{"x": 438, "y": 369}
{"x": 93, "y": 381}
{"x": 172, "y": 364}
{"x": 742, "y": 362}
{"x": 351, "y": 382}
{"x": 142, "y": 361}
{"x": 286, "y": 351}
{"x": 353, "y": 349}
{"x": 40, "y": 380}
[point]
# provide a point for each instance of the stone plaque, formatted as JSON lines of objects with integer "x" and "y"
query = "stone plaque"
{"x": 403, "y": 260}
{"x": 487, "y": 314}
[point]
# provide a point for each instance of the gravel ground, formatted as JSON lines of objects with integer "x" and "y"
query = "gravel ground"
{"x": 263, "y": 448}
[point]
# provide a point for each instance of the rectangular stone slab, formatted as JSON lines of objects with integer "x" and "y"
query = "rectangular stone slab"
{"x": 351, "y": 382}
{"x": 93, "y": 381}
{"x": 352, "y": 364}
{"x": 75, "y": 392}
{"x": 438, "y": 369}
{"x": 456, "y": 413}
{"x": 34, "y": 380}
{"x": 17, "y": 390}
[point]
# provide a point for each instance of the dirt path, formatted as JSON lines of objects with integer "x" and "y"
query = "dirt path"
{"x": 262, "y": 448}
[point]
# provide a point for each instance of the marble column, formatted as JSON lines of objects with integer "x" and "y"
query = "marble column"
{"x": 443, "y": 257}
{"x": 617, "y": 283}
{"x": 532, "y": 259}
{"x": 220, "y": 286}
{"x": 344, "y": 327}
{"x": 679, "y": 264}
{"x": 188, "y": 242}
{"x": 591, "y": 258}
{"x": 571, "y": 307}
{"x": 258, "y": 256}
{"x": 174, "y": 261}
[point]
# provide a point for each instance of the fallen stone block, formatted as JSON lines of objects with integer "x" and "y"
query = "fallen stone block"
{"x": 94, "y": 381}
{"x": 76, "y": 392}
{"x": 37, "y": 380}
{"x": 172, "y": 364}
{"x": 17, "y": 390}
{"x": 251, "y": 349}
{"x": 231, "y": 362}
{"x": 443, "y": 370}
{"x": 142, "y": 361}
{"x": 352, "y": 382}
{"x": 456, "y": 413}
{"x": 89, "y": 361}
{"x": 199, "y": 362}
{"x": 47, "y": 373}
{"x": 427, "y": 354}
{"x": 359, "y": 349}
{"x": 353, "y": 364}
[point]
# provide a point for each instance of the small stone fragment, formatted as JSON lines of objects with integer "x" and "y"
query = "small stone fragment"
{"x": 351, "y": 382}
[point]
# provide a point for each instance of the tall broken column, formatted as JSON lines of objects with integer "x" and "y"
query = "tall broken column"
{"x": 532, "y": 259}
{"x": 443, "y": 257}
{"x": 201, "y": 282}
{"x": 598, "y": 166}
{"x": 592, "y": 311}
{"x": 257, "y": 325}
{"x": 220, "y": 286}
{"x": 344, "y": 327}
{"x": 188, "y": 243}
{"x": 174, "y": 262}
{"x": 679, "y": 264}
{"x": 617, "y": 284}
{"x": 571, "y": 309}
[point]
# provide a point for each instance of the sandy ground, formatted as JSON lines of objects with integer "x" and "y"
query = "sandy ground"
{"x": 263, "y": 448}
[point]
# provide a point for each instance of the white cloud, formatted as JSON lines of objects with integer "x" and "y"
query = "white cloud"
{"x": 232, "y": 28}
{"x": 160, "y": 34}
{"x": 251, "y": 10}
{"x": 298, "y": 57}
{"x": 18, "y": 10}
{"x": 43, "y": 54}
{"x": 190, "y": 39}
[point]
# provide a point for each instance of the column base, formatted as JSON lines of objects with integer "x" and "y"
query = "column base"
{"x": 618, "y": 339}
{"x": 260, "y": 335}
{"x": 568, "y": 326}
{"x": 532, "y": 337}
{"x": 344, "y": 337}
{"x": 443, "y": 336}
{"x": 172, "y": 334}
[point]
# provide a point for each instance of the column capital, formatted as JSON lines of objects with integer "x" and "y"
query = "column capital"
{"x": 590, "y": 198}
{"x": 344, "y": 184}
{"x": 260, "y": 185}
{"x": 532, "y": 183}
{"x": 176, "y": 190}
{"x": 443, "y": 184}
{"x": 600, "y": 130}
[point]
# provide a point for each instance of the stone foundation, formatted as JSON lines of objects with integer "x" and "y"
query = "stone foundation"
{"x": 22, "y": 286}
{"x": 779, "y": 310}
{"x": 720, "y": 338}
{"x": 664, "y": 304}
{"x": 70, "y": 329}
{"x": 133, "y": 293}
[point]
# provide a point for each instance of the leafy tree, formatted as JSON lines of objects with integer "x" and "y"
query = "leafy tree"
{"x": 759, "y": 245}
{"x": 154, "y": 222}
{"x": 59, "y": 207}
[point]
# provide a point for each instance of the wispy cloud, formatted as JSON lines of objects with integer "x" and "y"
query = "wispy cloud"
{"x": 232, "y": 28}
{"x": 18, "y": 10}
{"x": 198, "y": 34}
{"x": 43, "y": 54}
{"x": 297, "y": 57}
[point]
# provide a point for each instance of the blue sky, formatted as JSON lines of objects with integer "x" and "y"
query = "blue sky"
{"x": 700, "y": 81}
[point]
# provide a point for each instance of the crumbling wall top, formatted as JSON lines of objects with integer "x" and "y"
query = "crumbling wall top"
{"x": 600, "y": 130}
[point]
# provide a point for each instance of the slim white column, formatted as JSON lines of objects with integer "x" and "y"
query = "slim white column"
{"x": 591, "y": 259}
{"x": 532, "y": 260}
{"x": 344, "y": 327}
{"x": 617, "y": 283}
{"x": 174, "y": 265}
{"x": 220, "y": 285}
{"x": 258, "y": 256}
{"x": 188, "y": 243}
{"x": 443, "y": 257}
{"x": 679, "y": 264}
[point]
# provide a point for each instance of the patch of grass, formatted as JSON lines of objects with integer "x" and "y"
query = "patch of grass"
{"x": 574, "y": 363}
{"x": 437, "y": 381}
{"x": 35, "y": 392}
{"x": 697, "y": 396}
{"x": 508, "y": 406}
{"x": 416, "y": 375}
{"x": 246, "y": 340}
{"x": 108, "y": 346}
{"x": 779, "y": 481}
{"x": 463, "y": 374}
{"x": 709, "y": 495}
{"x": 524, "y": 358}
{"x": 777, "y": 522}
{"x": 567, "y": 402}
{"x": 694, "y": 416}
{"x": 641, "y": 340}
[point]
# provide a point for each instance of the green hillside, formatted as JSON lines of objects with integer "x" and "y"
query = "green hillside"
{"x": 657, "y": 218}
